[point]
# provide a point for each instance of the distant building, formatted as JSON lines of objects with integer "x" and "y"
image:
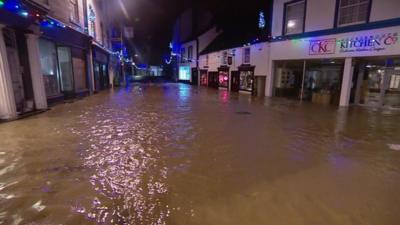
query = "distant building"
{"x": 193, "y": 32}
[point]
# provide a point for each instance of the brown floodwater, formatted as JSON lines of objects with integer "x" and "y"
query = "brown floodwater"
{"x": 182, "y": 155}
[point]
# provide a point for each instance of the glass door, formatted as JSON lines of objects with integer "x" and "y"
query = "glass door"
{"x": 66, "y": 71}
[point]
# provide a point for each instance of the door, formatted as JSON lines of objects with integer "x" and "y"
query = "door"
{"x": 15, "y": 69}
{"x": 235, "y": 81}
{"x": 195, "y": 77}
{"x": 66, "y": 70}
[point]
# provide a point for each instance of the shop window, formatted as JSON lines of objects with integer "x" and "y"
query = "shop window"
{"x": 246, "y": 80}
{"x": 74, "y": 11}
{"x": 92, "y": 22}
{"x": 65, "y": 65}
{"x": 223, "y": 79}
{"x": 224, "y": 58}
{"x": 48, "y": 61}
{"x": 395, "y": 81}
{"x": 190, "y": 53}
{"x": 294, "y": 17}
{"x": 352, "y": 12}
{"x": 246, "y": 56}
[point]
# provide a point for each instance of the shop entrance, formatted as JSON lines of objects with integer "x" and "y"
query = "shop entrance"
{"x": 235, "y": 81}
{"x": 377, "y": 82}
{"x": 317, "y": 81}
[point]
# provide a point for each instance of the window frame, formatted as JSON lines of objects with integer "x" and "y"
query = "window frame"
{"x": 224, "y": 58}
{"x": 74, "y": 6}
{"x": 190, "y": 53}
{"x": 183, "y": 53}
{"x": 244, "y": 56}
{"x": 337, "y": 9}
{"x": 286, "y": 4}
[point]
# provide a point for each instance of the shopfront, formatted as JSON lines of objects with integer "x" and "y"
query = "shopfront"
{"x": 100, "y": 64}
{"x": 203, "y": 78}
{"x": 347, "y": 68}
{"x": 246, "y": 77}
{"x": 377, "y": 82}
{"x": 317, "y": 81}
{"x": 223, "y": 77}
{"x": 185, "y": 74}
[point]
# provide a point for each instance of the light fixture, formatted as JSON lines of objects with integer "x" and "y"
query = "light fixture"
{"x": 291, "y": 23}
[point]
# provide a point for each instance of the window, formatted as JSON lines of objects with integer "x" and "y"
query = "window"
{"x": 352, "y": 12}
{"x": 294, "y": 17}
{"x": 48, "y": 61}
{"x": 92, "y": 22}
{"x": 190, "y": 53}
{"x": 246, "y": 56}
{"x": 207, "y": 60}
{"x": 183, "y": 52}
{"x": 225, "y": 58}
{"x": 74, "y": 10}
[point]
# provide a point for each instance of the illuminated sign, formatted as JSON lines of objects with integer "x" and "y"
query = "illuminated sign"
{"x": 185, "y": 73}
{"x": 377, "y": 42}
{"x": 322, "y": 47}
{"x": 362, "y": 43}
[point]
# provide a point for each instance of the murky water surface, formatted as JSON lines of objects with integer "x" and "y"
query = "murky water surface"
{"x": 175, "y": 154}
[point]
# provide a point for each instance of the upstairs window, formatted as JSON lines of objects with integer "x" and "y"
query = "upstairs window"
{"x": 74, "y": 11}
{"x": 246, "y": 56}
{"x": 207, "y": 60}
{"x": 353, "y": 12}
{"x": 190, "y": 53}
{"x": 92, "y": 22}
{"x": 183, "y": 51}
{"x": 225, "y": 58}
{"x": 294, "y": 17}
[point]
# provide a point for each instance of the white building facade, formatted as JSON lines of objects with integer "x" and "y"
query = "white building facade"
{"x": 337, "y": 52}
{"x": 188, "y": 60}
{"x": 239, "y": 69}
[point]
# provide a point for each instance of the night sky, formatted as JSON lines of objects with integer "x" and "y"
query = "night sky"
{"x": 153, "y": 21}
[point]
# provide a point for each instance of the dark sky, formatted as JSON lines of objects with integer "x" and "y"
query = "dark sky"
{"x": 153, "y": 21}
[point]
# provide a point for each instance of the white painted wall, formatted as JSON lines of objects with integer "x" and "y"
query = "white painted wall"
{"x": 320, "y": 14}
{"x": 186, "y": 45}
{"x": 385, "y": 9}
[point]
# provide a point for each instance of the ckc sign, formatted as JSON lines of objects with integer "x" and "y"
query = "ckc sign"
{"x": 322, "y": 47}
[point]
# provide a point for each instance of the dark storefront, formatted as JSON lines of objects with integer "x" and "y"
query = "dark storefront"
{"x": 14, "y": 30}
{"x": 203, "y": 78}
{"x": 63, "y": 58}
{"x": 100, "y": 64}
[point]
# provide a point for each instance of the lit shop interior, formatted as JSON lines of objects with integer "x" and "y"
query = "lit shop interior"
{"x": 185, "y": 73}
{"x": 246, "y": 80}
{"x": 223, "y": 79}
{"x": 377, "y": 82}
{"x": 317, "y": 81}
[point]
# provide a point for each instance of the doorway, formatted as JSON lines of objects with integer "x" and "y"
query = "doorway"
{"x": 377, "y": 82}
{"x": 15, "y": 69}
{"x": 235, "y": 81}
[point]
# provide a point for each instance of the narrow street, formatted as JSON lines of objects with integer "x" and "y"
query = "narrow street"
{"x": 178, "y": 154}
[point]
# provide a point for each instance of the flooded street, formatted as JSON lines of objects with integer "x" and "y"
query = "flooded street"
{"x": 177, "y": 154}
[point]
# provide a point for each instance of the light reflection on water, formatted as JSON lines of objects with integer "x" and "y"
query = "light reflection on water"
{"x": 176, "y": 154}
